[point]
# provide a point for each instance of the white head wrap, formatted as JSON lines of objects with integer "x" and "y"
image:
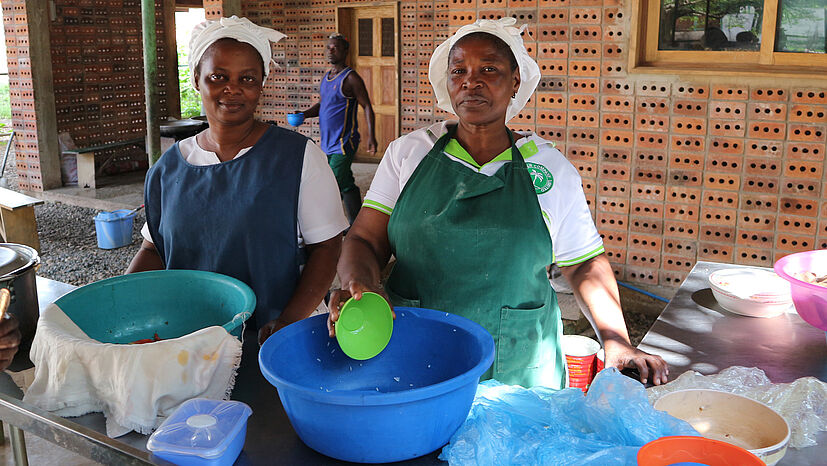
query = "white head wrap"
{"x": 240, "y": 29}
{"x": 505, "y": 30}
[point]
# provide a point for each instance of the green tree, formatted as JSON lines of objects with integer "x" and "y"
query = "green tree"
{"x": 190, "y": 99}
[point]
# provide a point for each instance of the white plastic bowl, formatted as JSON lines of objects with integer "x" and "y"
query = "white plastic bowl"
{"x": 731, "y": 418}
{"x": 751, "y": 292}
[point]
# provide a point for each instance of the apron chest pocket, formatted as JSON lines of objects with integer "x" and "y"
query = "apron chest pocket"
{"x": 519, "y": 344}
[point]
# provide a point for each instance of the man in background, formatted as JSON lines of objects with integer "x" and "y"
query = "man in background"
{"x": 341, "y": 91}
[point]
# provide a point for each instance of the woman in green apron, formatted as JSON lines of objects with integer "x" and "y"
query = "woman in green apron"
{"x": 474, "y": 214}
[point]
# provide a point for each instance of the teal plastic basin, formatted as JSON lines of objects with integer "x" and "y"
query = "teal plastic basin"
{"x": 171, "y": 303}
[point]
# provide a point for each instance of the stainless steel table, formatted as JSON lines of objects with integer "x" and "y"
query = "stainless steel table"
{"x": 694, "y": 333}
{"x": 270, "y": 437}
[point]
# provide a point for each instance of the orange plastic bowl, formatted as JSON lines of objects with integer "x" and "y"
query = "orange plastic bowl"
{"x": 680, "y": 449}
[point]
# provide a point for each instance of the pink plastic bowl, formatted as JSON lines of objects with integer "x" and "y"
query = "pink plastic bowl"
{"x": 810, "y": 300}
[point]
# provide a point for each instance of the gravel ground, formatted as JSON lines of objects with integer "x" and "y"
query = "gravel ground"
{"x": 638, "y": 323}
{"x": 69, "y": 248}
{"x": 68, "y": 243}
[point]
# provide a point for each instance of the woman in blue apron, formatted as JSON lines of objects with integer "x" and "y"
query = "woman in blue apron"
{"x": 474, "y": 213}
{"x": 244, "y": 198}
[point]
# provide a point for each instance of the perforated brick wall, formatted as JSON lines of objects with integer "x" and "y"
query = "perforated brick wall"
{"x": 97, "y": 67}
{"x": 21, "y": 95}
{"x": 675, "y": 171}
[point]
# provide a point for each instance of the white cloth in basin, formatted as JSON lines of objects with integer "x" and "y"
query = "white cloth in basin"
{"x": 135, "y": 386}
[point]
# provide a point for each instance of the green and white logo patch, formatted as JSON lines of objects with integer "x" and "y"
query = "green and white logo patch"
{"x": 540, "y": 176}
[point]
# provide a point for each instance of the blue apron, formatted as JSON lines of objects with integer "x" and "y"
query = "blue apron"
{"x": 238, "y": 218}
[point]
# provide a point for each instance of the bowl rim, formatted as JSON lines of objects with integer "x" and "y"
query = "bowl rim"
{"x": 368, "y": 398}
{"x": 238, "y": 319}
{"x": 756, "y": 451}
{"x": 781, "y": 263}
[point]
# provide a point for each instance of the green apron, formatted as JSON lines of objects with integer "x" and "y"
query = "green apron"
{"x": 477, "y": 246}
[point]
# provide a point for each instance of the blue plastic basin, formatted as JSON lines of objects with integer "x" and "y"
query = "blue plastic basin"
{"x": 404, "y": 403}
{"x": 171, "y": 303}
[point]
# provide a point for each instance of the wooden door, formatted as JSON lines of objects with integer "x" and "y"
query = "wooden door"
{"x": 373, "y": 33}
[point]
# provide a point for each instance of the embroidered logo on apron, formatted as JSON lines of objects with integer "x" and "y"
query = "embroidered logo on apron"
{"x": 540, "y": 176}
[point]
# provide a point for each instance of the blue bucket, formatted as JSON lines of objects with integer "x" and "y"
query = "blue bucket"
{"x": 404, "y": 403}
{"x": 114, "y": 229}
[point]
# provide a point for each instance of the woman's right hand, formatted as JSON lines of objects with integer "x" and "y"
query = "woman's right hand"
{"x": 339, "y": 297}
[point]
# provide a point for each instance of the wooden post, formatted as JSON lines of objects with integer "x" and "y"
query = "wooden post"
{"x": 231, "y": 7}
{"x": 171, "y": 59}
{"x": 40, "y": 54}
{"x": 153, "y": 130}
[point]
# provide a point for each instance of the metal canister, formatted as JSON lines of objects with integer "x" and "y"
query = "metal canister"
{"x": 18, "y": 264}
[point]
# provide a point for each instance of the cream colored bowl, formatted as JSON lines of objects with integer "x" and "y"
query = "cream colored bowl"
{"x": 751, "y": 292}
{"x": 731, "y": 418}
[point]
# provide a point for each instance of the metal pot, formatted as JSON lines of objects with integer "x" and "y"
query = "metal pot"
{"x": 18, "y": 264}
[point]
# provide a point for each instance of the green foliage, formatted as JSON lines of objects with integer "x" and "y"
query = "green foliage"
{"x": 190, "y": 99}
{"x": 5, "y": 105}
{"x": 715, "y": 9}
{"x": 801, "y": 27}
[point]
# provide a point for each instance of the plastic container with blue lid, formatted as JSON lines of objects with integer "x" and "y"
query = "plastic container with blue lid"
{"x": 202, "y": 432}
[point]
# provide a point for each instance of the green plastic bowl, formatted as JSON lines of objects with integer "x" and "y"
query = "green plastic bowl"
{"x": 365, "y": 326}
{"x": 171, "y": 303}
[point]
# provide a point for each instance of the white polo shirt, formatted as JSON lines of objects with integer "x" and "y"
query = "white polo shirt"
{"x": 320, "y": 212}
{"x": 557, "y": 183}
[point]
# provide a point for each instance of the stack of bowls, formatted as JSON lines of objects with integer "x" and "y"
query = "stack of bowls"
{"x": 731, "y": 418}
{"x": 750, "y": 291}
{"x": 692, "y": 451}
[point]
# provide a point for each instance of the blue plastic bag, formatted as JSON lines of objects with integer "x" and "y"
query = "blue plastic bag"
{"x": 542, "y": 426}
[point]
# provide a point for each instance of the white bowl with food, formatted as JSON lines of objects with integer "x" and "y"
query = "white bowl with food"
{"x": 751, "y": 292}
{"x": 731, "y": 418}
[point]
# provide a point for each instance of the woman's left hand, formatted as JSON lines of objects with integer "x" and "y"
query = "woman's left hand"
{"x": 270, "y": 328}
{"x": 621, "y": 355}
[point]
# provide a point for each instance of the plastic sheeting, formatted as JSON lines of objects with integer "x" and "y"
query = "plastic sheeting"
{"x": 543, "y": 426}
{"x": 802, "y": 403}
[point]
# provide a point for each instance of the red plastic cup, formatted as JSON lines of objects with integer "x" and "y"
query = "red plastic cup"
{"x": 583, "y": 384}
{"x": 581, "y": 380}
{"x": 580, "y": 354}
{"x": 600, "y": 363}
